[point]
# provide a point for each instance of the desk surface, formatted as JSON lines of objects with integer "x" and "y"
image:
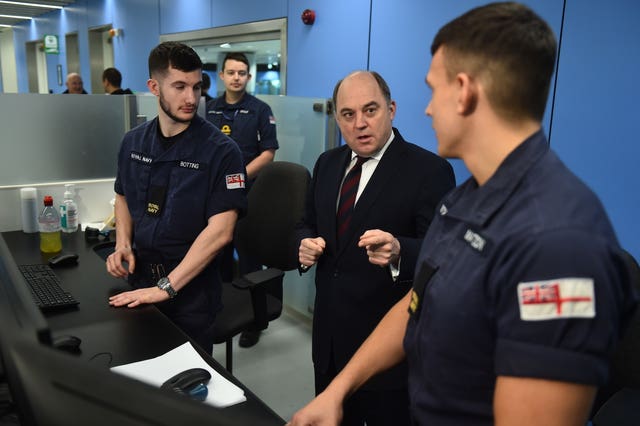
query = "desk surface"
{"x": 128, "y": 335}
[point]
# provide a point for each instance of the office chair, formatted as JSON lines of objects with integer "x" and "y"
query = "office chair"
{"x": 617, "y": 403}
{"x": 267, "y": 234}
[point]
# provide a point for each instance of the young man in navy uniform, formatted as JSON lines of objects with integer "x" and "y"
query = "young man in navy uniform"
{"x": 365, "y": 263}
{"x": 251, "y": 124}
{"x": 520, "y": 290}
{"x": 179, "y": 191}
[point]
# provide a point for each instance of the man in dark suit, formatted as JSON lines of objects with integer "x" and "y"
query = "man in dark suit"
{"x": 366, "y": 253}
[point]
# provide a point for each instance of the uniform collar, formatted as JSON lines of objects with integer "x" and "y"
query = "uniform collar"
{"x": 477, "y": 205}
{"x": 181, "y": 147}
{"x": 238, "y": 105}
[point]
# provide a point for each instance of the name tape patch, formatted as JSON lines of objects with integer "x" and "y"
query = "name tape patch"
{"x": 235, "y": 181}
{"x": 189, "y": 165}
{"x": 475, "y": 240}
{"x": 141, "y": 158}
{"x": 555, "y": 299}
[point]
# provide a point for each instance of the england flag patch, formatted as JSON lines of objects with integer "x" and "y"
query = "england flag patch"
{"x": 555, "y": 299}
{"x": 235, "y": 181}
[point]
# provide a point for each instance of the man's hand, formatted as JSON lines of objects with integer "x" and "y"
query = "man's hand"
{"x": 382, "y": 248}
{"x": 115, "y": 259}
{"x": 324, "y": 410}
{"x": 310, "y": 250}
{"x": 138, "y": 297}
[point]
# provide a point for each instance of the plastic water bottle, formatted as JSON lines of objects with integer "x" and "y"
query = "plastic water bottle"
{"x": 69, "y": 211}
{"x": 49, "y": 225}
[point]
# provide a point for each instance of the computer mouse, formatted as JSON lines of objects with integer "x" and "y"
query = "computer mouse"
{"x": 63, "y": 259}
{"x": 192, "y": 383}
{"x": 67, "y": 343}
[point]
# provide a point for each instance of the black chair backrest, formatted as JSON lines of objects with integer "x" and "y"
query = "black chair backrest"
{"x": 276, "y": 205}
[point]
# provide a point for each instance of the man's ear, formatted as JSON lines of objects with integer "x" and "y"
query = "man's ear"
{"x": 392, "y": 109}
{"x": 467, "y": 94}
{"x": 152, "y": 84}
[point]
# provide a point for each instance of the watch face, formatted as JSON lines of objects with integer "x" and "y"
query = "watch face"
{"x": 165, "y": 284}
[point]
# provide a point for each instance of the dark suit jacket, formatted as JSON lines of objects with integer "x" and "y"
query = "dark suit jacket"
{"x": 352, "y": 295}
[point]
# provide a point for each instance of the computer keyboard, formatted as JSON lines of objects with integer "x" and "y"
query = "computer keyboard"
{"x": 45, "y": 287}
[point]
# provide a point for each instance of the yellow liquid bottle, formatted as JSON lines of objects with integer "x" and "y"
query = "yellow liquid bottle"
{"x": 50, "y": 242}
{"x": 49, "y": 224}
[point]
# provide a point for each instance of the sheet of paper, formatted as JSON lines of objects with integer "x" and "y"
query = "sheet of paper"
{"x": 155, "y": 371}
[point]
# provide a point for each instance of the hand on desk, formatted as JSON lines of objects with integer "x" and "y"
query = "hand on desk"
{"x": 115, "y": 259}
{"x": 138, "y": 297}
{"x": 324, "y": 410}
{"x": 382, "y": 247}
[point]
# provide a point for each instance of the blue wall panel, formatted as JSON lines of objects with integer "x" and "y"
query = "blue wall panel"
{"x": 179, "y": 15}
{"x": 401, "y": 36}
{"x": 140, "y": 35}
{"x": 225, "y": 12}
{"x": 596, "y": 112}
{"x": 321, "y": 54}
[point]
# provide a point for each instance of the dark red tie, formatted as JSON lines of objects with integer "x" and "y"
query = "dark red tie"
{"x": 348, "y": 198}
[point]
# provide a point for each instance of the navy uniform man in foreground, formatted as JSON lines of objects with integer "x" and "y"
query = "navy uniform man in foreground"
{"x": 179, "y": 191}
{"x": 520, "y": 288}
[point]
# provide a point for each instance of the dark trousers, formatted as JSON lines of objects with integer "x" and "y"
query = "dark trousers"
{"x": 373, "y": 407}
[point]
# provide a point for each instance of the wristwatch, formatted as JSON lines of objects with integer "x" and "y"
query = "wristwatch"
{"x": 165, "y": 284}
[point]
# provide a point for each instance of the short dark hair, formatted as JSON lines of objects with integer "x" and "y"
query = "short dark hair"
{"x": 236, "y": 56}
{"x": 206, "y": 81}
{"x": 175, "y": 55}
{"x": 382, "y": 84}
{"x": 510, "y": 47}
{"x": 113, "y": 76}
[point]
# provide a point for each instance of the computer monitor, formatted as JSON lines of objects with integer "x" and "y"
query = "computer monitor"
{"x": 19, "y": 318}
{"x": 18, "y": 312}
{"x": 62, "y": 389}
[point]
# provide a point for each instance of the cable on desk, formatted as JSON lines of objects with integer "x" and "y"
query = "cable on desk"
{"x": 109, "y": 354}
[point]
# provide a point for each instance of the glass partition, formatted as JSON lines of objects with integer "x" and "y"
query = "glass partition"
{"x": 304, "y": 128}
{"x": 50, "y": 138}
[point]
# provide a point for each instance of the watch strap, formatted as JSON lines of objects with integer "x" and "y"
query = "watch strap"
{"x": 165, "y": 284}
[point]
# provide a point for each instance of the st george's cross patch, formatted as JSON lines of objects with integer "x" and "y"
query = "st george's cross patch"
{"x": 235, "y": 181}
{"x": 556, "y": 299}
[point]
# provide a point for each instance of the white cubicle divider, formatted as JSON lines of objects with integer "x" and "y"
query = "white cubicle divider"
{"x": 49, "y": 140}
{"x": 54, "y": 138}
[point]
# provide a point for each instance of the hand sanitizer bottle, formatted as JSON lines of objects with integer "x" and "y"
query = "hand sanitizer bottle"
{"x": 70, "y": 209}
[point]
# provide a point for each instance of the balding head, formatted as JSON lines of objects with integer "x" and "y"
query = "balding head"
{"x": 74, "y": 83}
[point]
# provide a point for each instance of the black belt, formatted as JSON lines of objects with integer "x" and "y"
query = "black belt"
{"x": 157, "y": 271}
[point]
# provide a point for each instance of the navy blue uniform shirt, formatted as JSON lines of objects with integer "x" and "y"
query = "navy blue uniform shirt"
{"x": 249, "y": 122}
{"x": 171, "y": 194}
{"x": 520, "y": 277}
